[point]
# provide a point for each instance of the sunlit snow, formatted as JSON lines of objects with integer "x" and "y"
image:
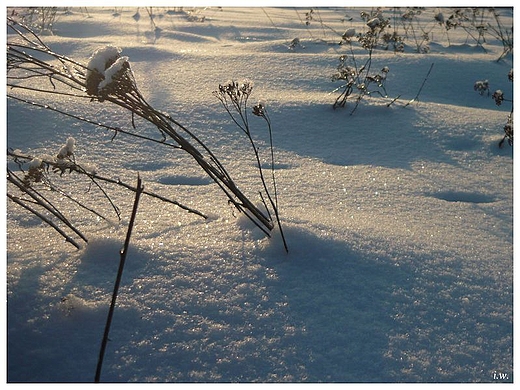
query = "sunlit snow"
{"x": 398, "y": 218}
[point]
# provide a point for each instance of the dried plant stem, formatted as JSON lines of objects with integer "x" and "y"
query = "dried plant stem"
{"x": 123, "y": 253}
{"x": 96, "y": 177}
{"x": 234, "y": 97}
{"x": 40, "y": 200}
{"x": 422, "y": 86}
{"x": 123, "y": 92}
{"x": 116, "y": 130}
{"x": 48, "y": 221}
{"x": 274, "y": 203}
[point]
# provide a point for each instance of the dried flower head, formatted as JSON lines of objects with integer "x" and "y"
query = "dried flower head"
{"x": 481, "y": 86}
{"x": 109, "y": 73}
{"x": 246, "y": 86}
{"x": 498, "y": 97}
{"x": 35, "y": 173}
{"x": 235, "y": 91}
{"x": 259, "y": 109}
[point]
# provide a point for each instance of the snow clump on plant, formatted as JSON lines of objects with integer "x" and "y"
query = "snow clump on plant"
{"x": 105, "y": 66}
{"x": 439, "y": 18}
{"x": 35, "y": 163}
{"x": 112, "y": 71}
{"x": 481, "y": 86}
{"x": 498, "y": 97}
{"x": 373, "y": 23}
{"x": 67, "y": 150}
{"x": 348, "y": 35}
{"x": 351, "y": 32}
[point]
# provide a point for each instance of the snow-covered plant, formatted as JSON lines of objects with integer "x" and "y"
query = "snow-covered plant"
{"x": 376, "y": 23}
{"x": 503, "y": 33}
{"x": 508, "y": 127}
{"x": 416, "y": 30}
{"x": 67, "y": 150}
{"x": 471, "y": 20}
{"x": 348, "y": 35}
{"x": 106, "y": 70}
{"x": 25, "y": 189}
{"x": 498, "y": 96}
{"x": 358, "y": 82}
{"x": 195, "y": 15}
{"x": 394, "y": 40}
{"x": 381, "y": 33}
{"x": 108, "y": 78}
{"x": 310, "y": 17}
{"x": 295, "y": 43}
{"x": 508, "y": 130}
{"x": 154, "y": 31}
{"x": 481, "y": 86}
{"x": 35, "y": 186}
{"x": 455, "y": 20}
{"x": 479, "y": 22}
{"x": 357, "y": 76}
{"x": 419, "y": 28}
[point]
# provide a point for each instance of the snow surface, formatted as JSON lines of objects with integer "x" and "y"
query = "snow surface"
{"x": 398, "y": 219}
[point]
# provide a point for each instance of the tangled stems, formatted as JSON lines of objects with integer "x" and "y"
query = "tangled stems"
{"x": 234, "y": 97}
{"x": 358, "y": 79}
{"x": 39, "y": 173}
{"x": 108, "y": 78}
{"x": 27, "y": 190}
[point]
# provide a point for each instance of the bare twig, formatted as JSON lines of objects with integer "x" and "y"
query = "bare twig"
{"x": 116, "y": 130}
{"x": 234, "y": 97}
{"x": 123, "y": 253}
{"x": 42, "y": 201}
{"x": 74, "y": 167}
{"x": 422, "y": 86}
{"x": 48, "y": 221}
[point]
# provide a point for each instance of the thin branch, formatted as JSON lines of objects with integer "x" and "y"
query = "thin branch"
{"x": 123, "y": 253}
{"x": 48, "y": 221}
{"x": 94, "y": 176}
{"x": 43, "y": 202}
{"x": 422, "y": 85}
{"x": 95, "y": 123}
{"x": 151, "y": 194}
{"x": 238, "y": 95}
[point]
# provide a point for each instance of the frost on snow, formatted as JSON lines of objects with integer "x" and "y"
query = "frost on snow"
{"x": 399, "y": 220}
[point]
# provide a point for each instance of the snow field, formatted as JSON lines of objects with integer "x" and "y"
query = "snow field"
{"x": 398, "y": 220}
